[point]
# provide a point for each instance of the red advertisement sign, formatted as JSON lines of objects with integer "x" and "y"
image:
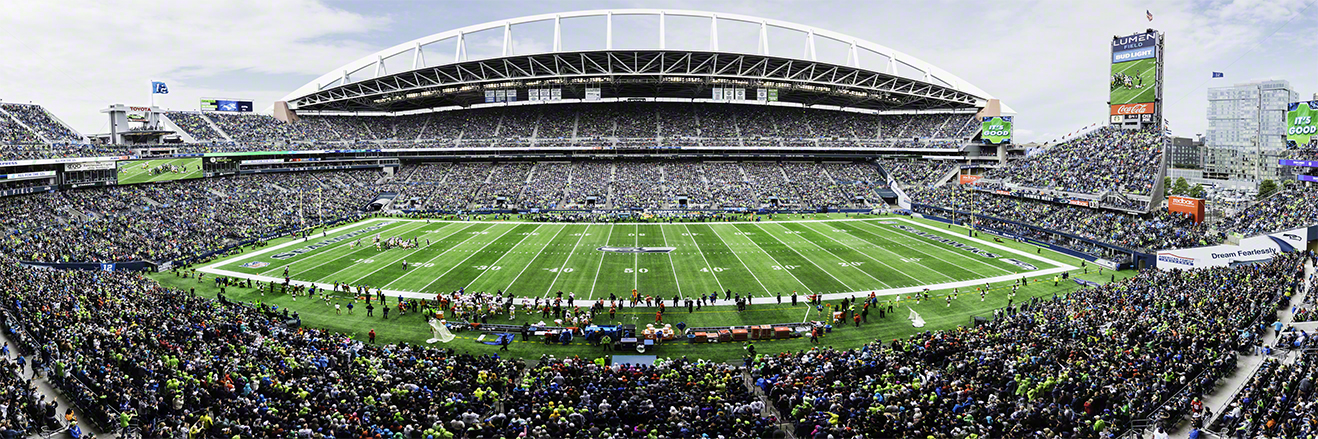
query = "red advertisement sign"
{"x": 1190, "y": 206}
{"x": 1144, "y": 108}
{"x": 969, "y": 179}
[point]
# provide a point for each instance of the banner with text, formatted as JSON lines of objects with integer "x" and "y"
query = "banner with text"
{"x": 1300, "y": 123}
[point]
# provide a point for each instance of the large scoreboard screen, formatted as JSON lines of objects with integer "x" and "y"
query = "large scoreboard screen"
{"x": 236, "y": 106}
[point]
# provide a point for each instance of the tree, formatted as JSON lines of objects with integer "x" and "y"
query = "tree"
{"x": 1197, "y": 191}
{"x": 1266, "y": 188}
{"x": 1167, "y": 184}
{"x": 1181, "y": 187}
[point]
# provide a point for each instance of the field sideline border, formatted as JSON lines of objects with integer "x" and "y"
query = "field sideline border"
{"x": 1059, "y": 267}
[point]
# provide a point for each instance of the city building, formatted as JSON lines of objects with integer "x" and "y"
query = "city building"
{"x": 1246, "y": 131}
{"x": 1185, "y": 153}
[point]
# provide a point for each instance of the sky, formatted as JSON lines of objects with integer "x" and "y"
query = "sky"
{"x": 1048, "y": 60}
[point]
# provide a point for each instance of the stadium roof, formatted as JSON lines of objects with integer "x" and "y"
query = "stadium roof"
{"x": 872, "y": 76}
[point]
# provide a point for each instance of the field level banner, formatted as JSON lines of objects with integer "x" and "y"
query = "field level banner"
{"x": 1252, "y": 249}
{"x": 1300, "y": 123}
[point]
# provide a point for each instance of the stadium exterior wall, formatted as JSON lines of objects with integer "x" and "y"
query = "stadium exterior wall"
{"x": 1252, "y": 249}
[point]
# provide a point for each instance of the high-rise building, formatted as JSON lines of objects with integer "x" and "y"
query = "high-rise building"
{"x": 1247, "y": 131}
{"x": 1185, "y": 153}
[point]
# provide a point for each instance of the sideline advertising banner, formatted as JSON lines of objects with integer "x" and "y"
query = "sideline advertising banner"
{"x": 1252, "y": 249}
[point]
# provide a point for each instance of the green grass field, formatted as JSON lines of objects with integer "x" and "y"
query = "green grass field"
{"x": 835, "y": 257}
{"x": 1146, "y": 70}
{"x": 140, "y": 171}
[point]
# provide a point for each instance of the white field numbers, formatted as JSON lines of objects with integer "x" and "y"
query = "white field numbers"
{"x": 716, "y": 269}
{"x": 486, "y": 267}
{"x": 638, "y": 270}
{"x": 556, "y": 270}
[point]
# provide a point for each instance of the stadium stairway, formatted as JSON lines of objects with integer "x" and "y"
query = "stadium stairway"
{"x": 1246, "y": 366}
{"x": 784, "y": 425}
{"x": 947, "y": 176}
{"x": 46, "y": 390}
{"x": 1220, "y": 400}
{"x": 218, "y": 193}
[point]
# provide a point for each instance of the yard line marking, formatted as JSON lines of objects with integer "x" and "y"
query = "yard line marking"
{"x": 565, "y": 260}
{"x": 404, "y": 257}
{"x": 519, "y": 243}
{"x": 979, "y": 262}
{"x": 812, "y": 262}
{"x": 337, "y": 232}
{"x": 702, "y": 257}
{"x": 748, "y": 268}
{"x": 636, "y": 259}
{"x": 463, "y": 261}
{"x": 903, "y": 273}
{"x": 350, "y": 253}
{"x": 670, "y": 262}
{"x": 509, "y": 289}
{"x": 885, "y": 284}
{"x": 599, "y": 266}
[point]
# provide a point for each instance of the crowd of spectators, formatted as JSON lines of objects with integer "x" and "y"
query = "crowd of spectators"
{"x": 258, "y": 129}
{"x": 1156, "y": 231}
{"x": 1106, "y": 160}
{"x": 196, "y": 125}
{"x": 916, "y": 173}
{"x": 1081, "y": 366}
{"x": 618, "y": 125}
{"x": 637, "y": 185}
{"x": 1293, "y": 206}
{"x": 174, "y": 220}
{"x": 38, "y": 120}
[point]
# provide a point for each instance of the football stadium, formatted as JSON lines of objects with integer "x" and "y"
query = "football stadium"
{"x": 452, "y": 239}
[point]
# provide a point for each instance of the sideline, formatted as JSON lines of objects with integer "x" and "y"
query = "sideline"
{"x": 1058, "y": 266}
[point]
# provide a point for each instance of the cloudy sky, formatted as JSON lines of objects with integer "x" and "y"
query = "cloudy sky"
{"x": 1047, "y": 59}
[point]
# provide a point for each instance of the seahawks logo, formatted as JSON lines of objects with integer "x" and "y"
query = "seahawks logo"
{"x": 637, "y": 249}
{"x": 255, "y": 264}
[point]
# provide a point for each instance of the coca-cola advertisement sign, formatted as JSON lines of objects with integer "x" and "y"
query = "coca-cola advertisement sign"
{"x": 1123, "y": 109}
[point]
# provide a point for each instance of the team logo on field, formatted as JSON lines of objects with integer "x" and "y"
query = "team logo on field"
{"x": 637, "y": 249}
{"x": 255, "y": 264}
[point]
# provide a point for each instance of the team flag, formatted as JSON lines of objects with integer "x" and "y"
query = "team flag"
{"x": 1219, "y": 75}
{"x": 159, "y": 88}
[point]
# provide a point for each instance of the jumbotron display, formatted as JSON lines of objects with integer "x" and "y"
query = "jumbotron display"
{"x": 1300, "y": 123}
{"x": 1136, "y": 70}
{"x": 151, "y": 171}
{"x": 996, "y": 130}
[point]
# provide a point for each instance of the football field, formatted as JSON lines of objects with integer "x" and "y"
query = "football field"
{"x": 836, "y": 258}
